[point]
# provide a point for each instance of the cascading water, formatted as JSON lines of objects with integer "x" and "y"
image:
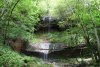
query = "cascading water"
{"x": 44, "y": 50}
{"x": 45, "y": 46}
{"x": 45, "y": 57}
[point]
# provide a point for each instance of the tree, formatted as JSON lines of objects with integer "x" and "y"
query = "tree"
{"x": 18, "y": 15}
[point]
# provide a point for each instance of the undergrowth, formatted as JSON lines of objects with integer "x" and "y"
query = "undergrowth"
{"x": 9, "y": 58}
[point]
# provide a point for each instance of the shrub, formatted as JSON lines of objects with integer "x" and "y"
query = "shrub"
{"x": 9, "y": 58}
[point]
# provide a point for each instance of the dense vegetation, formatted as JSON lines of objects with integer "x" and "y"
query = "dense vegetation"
{"x": 79, "y": 20}
{"x": 10, "y": 58}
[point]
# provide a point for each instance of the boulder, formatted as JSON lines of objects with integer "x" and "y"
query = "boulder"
{"x": 16, "y": 44}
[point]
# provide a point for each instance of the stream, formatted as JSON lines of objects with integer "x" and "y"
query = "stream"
{"x": 46, "y": 48}
{"x": 44, "y": 56}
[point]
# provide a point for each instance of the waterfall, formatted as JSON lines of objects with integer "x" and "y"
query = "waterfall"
{"x": 45, "y": 57}
{"x": 44, "y": 50}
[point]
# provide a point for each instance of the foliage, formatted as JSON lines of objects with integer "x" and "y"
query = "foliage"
{"x": 18, "y": 18}
{"x": 64, "y": 37}
{"x": 81, "y": 18}
{"x": 10, "y": 58}
{"x": 85, "y": 16}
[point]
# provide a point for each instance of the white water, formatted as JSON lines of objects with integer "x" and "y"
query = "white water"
{"x": 45, "y": 47}
{"x": 45, "y": 51}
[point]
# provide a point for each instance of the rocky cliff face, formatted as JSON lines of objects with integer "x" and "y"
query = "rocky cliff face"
{"x": 45, "y": 47}
{"x": 47, "y": 22}
{"x": 16, "y": 44}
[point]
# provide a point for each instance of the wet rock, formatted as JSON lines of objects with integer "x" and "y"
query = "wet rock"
{"x": 47, "y": 22}
{"x": 45, "y": 47}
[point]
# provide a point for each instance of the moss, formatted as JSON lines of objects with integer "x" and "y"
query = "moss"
{"x": 55, "y": 37}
